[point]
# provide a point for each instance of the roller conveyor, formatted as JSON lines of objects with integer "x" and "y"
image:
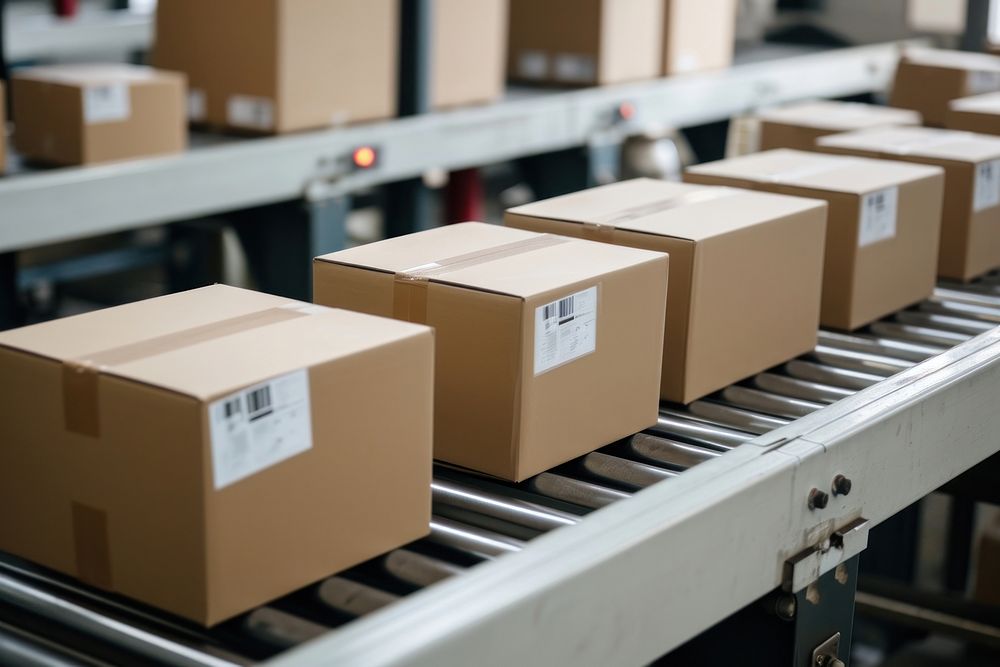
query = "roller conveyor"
{"x": 46, "y": 616}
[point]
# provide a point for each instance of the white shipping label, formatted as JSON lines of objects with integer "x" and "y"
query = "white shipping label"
{"x": 196, "y": 105}
{"x": 982, "y": 82}
{"x": 878, "y": 216}
{"x": 256, "y": 113}
{"x": 575, "y": 68}
{"x": 565, "y": 330}
{"x": 260, "y": 426}
{"x": 532, "y": 64}
{"x": 987, "y": 189}
{"x": 108, "y": 103}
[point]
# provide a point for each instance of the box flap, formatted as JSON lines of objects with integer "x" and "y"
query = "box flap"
{"x": 837, "y": 115}
{"x": 87, "y": 74}
{"x": 205, "y": 341}
{"x": 525, "y": 272}
{"x": 835, "y": 173}
{"x": 963, "y": 60}
{"x": 919, "y": 141}
{"x": 667, "y": 209}
{"x": 988, "y": 103}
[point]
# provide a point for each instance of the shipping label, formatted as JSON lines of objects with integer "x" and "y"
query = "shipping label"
{"x": 565, "y": 329}
{"x": 878, "y": 216}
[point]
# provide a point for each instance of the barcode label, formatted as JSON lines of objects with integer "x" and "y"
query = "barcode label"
{"x": 256, "y": 113}
{"x": 575, "y": 68}
{"x": 260, "y": 426}
{"x": 878, "y": 216}
{"x": 197, "y": 107}
{"x": 982, "y": 82}
{"x": 986, "y": 192}
{"x": 532, "y": 64}
{"x": 108, "y": 103}
{"x": 565, "y": 330}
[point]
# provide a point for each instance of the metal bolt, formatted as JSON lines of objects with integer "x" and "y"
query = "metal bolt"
{"x": 818, "y": 499}
{"x": 785, "y": 607}
{"x": 841, "y": 485}
{"x": 827, "y": 660}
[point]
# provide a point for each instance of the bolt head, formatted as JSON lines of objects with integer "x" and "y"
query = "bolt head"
{"x": 841, "y": 485}
{"x": 818, "y": 499}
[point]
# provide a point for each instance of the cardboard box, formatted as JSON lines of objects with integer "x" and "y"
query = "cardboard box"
{"x": 970, "y": 222}
{"x": 800, "y": 125}
{"x": 284, "y": 65}
{"x": 585, "y": 42}
{"x": 746, "y": 270}
{"x": 85, "y": 114}
{"x": 928, "y": 79}
{"x": 208, "y": 451}
{"x": 468, "y": 52}
{"x": 980, "y": 113}
{"x": 547, "y": 347}
{"x": 698, "y": 35}
{"x": 882, "y": 227}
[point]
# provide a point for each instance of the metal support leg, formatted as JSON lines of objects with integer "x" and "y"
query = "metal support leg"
{"x": 977, "y": 20}
{"x": 281, "y": 240}
{"x": 961, "y": 525}
{"x": 10, "y": 305}
{"x": 824, "y": 618}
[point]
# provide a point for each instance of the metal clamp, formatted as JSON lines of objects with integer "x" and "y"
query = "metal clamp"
{"x": 808, "y": 565}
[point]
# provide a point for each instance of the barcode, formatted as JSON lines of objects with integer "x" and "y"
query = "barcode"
{"x": 564, "y": 309}
{"x": 231, "y": 407}
{"x": 877, "y": 200}
{"x": 259, "y": 402}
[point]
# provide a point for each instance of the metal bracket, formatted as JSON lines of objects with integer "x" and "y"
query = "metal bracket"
{"x": 826, "y": 654}
{"x": 808, "y": 565}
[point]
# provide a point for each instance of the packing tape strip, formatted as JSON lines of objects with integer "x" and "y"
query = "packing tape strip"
{"x": 81, "y": 401}
{"x": 409, "y": 290}
{"x": 603, "y": 228}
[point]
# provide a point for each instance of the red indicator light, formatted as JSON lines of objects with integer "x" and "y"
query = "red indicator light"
{"x": 626, "y": 110}
{"x": 364, "y": 157}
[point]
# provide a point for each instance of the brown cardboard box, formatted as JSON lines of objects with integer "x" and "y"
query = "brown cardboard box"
{"x": 206, "y": 452}
{"x": 585, "y": 42}
{"x": 800, "y": 125}
{"x": 746, "y": 270}
{"x": 468, "y": 51}
{"x": 881, "y": 232}
{"x": 927, "y": 79}
{"x": 282, "y": 65}
{"x": 970, "y": 222}
{"x": 547, "y": 347}
{"x": 698, "y": 35}
{"x": 84, "y": 114}
{"x": 980, "y": 113}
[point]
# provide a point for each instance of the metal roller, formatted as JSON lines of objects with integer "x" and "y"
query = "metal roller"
{"x": 946, "y": 322}
{"x": 632, "y": 474}
{"x": 574, "y": 491}
{"x": 771, "y": 404}
{"x": 804, "y": 389}
{"x": 672, "y": 453}
{"x": 513, "y": 510}
{"x": 477, "y": 541}
{"x": 873, "y": 364}
{"x": 885, "y": 347}
{"x": 964, "y": 310}
{"x": 744, "y": 420}
{"x": 945, "y": 294}
{"x": 17, "y": 648}
{"x": 673, "y": 423}
{"x": 918, "y": 334}
{"x": 418, "y": 569}
{"x": 351, "y": 597}
{"x": 280, "y": 628}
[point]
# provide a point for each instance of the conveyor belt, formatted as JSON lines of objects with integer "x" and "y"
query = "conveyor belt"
{"x": 46, "y": 618}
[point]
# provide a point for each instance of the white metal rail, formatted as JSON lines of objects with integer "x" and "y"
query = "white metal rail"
{"x": 49, "y": 206}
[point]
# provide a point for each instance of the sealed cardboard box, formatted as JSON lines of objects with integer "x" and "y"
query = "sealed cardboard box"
{"x": 746, "y": 270}
{"x": 547, "y": 347}
{"x": 970, "y": 222}
{"x": 928, "y": 79}
{"x": 282, "y": 65}
{"x": 585, "y": 42}
{"x": 468, "y": 52}
{"x": 980, "y": 113}
{"x": 800, "y": 125}
{"x": 698, "y": 35}
{"x": 84, "y": 114}
{"x": 882, "y": 227}
{"x": 206, "y": 452}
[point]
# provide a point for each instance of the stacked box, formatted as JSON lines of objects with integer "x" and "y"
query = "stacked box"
{"x": 800, "y": 125}
{"x": 928, "y": 79}
{"x": 980, "y": 113}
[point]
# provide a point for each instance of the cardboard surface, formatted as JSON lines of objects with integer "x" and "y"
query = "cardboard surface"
{"x": 698, "y": 35}
{"x": 483, "y": 288}
{"x": 800, "y": 125}
{"x": 122, "y": 466}
{"x": 468, "y": 52}
{"x": 867, "y": 272}
{"x": 86, "y": 114}
{"x": 286, "y": 64}
{"x": 585, "y": 42}
{"x": 745, "y": 270}
{"x": 928, "y": 79}
{"x": 980, "y": 113}
{"x": 970, "y": 225}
